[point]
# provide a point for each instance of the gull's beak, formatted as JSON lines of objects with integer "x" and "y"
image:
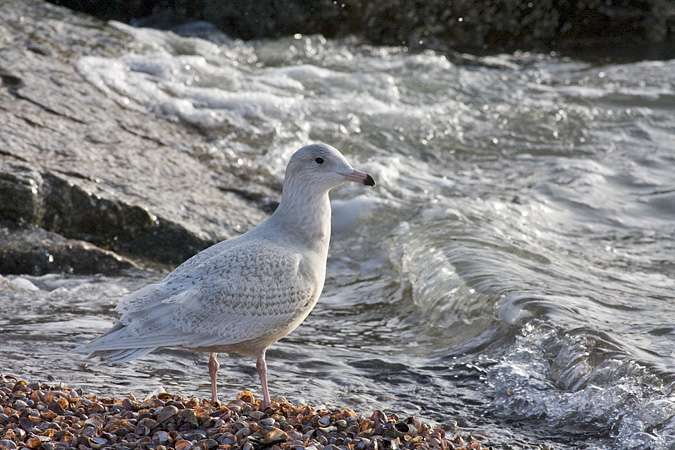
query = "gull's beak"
{"x": 358, "y": 177}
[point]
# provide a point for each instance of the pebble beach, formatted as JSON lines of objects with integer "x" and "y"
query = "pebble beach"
{"x": 42, "y": 416}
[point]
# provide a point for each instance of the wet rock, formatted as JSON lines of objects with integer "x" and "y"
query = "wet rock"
{"x": 458, "y": 24}
{"x": 85, "y": 169}
{"x": 75, "y": 212}
{"x": 19, "y": 186}
{"x": 32, "y": 250}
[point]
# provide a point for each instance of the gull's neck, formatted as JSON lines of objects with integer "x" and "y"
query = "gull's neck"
{"x": 305, "y": 215}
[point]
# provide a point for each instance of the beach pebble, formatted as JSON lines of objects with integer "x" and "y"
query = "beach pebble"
{"x": 161, "y": 437}
{"x": 6, "y": 444}
{"x": 42, "y": 417}
{"x": 166, "y": 413}
{"x": 183, "y": 444}
{"x": 269, "y": 421}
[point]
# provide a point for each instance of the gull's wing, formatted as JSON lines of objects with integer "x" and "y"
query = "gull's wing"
{"x": 258, "y": 290}
{"x": 244, "y": 292}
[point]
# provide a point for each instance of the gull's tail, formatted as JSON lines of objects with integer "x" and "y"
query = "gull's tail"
{"x": 105, "y": 347}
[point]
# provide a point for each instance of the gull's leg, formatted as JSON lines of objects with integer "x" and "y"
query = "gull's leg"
{"x": 213, "y": 372}
{"x": 261, "y": 365}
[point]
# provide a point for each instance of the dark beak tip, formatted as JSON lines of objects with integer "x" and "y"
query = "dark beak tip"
{"x": 369, "y": 181}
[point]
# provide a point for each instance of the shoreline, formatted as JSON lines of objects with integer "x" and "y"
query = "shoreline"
{"x": 43, "y": 416}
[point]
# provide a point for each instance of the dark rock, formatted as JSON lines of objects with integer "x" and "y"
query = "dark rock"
{"x": 114, "y": 224}
{"x": 32, "y": 250}
{"x": 466, "y": 25}
{"x": 19, "y": 187}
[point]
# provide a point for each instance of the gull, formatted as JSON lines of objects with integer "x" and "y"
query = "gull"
{"x": 243, "y": 294}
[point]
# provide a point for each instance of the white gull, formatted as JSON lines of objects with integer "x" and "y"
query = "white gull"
{"x": 244, "y": 294}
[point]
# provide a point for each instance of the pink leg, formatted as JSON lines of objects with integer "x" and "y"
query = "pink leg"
{"x": 261, "y": 365}
{"x": 213, "y": 372}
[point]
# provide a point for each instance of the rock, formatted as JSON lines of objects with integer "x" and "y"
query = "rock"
{"x": 274, "y": 436}
{"x": 7, "y": 444}
{"x": 188, "y": 415}
{"x": 161, "y": 437}
{"x": 324, "y": 421}
{"x": 465, "y": 25}
{"x": 77, "y": 168}
{"x": 32, "y": 250}
{"x": 19, "y": 185}
{"x": 208, "y": 443}
{"x": 183, "y": 444}
{"x": 167, "y": 413}
{"x": 97, "y": 442}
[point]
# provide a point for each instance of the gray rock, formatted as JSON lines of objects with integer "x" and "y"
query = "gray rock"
{"x": 77, "y": 168}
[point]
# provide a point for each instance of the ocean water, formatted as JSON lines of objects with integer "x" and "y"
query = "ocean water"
{"x": 511, "y": 275}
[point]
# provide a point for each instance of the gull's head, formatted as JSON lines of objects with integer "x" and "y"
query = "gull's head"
{"x": 323, "y": 167}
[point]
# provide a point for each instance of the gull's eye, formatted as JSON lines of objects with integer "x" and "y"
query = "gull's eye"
{"x": 319, "y": 160}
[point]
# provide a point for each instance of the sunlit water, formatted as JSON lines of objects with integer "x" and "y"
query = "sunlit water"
{"x": 513, "y": 270}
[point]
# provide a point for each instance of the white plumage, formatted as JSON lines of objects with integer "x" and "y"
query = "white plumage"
{"x": 243, "y": 294}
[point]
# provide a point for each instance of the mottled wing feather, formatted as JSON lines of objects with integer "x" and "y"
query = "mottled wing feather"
{"x": 143, "y": 299}
{"x": 241, "y": 292}
{"x": 183, "y": 278}
{"x": 244, "y": 294}
{"x": 203, "y": 258}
